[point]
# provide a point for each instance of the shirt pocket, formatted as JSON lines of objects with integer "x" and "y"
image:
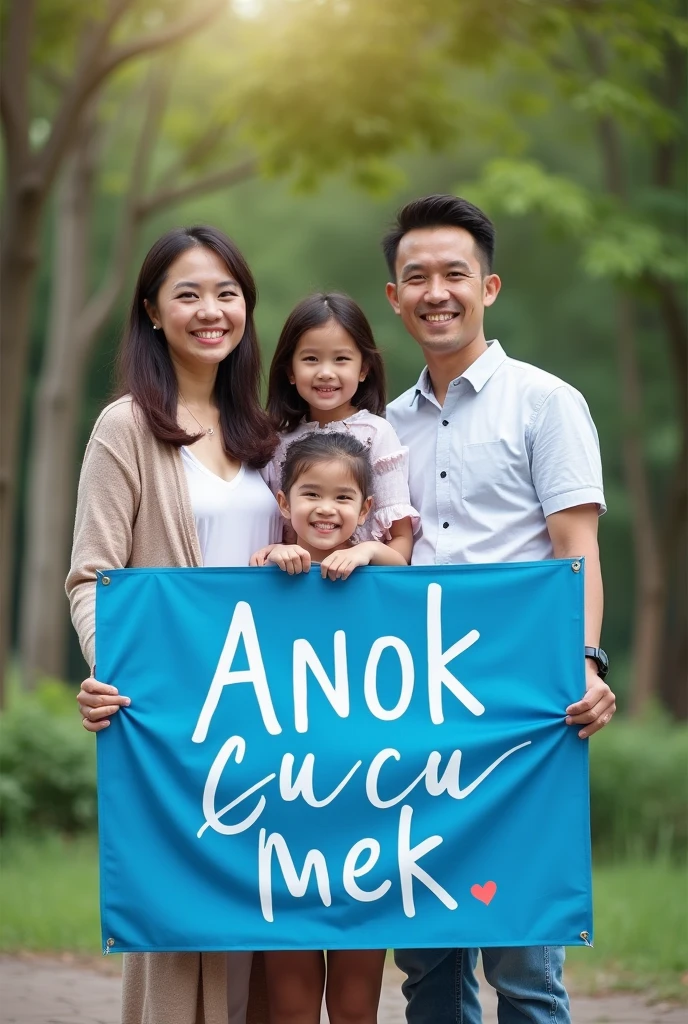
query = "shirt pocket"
{"x": 485, "y": 470}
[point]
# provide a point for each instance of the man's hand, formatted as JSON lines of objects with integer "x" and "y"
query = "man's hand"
{"x": 98, "y": 702}
{"x": 290, "y": 558}
{"x": 597, "y": 707}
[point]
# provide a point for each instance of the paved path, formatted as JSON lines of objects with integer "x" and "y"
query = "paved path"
{"x": 36, "y": 990}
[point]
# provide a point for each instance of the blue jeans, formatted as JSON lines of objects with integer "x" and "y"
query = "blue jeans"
{"x": 441, "y": 987}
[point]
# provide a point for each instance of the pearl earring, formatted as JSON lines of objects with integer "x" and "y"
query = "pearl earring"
{"x": 155, "y": 327}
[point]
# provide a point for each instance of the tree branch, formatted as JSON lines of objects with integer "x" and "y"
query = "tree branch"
{"x": 14, "y": 85}
{"x": 210, "y": 183}
{"x": 212, "y": 137}
{"x": 100, "y": 306}
{"x": 673, "y": 314}
{"x": 65, "y": 124}
{"x": 671, "y": 93}
{"x": 165, "y": 37}
{"x": 100, "y": 62}
{"x": 607, "y": 129}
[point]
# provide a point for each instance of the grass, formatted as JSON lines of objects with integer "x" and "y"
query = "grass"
{"x": 49, "y": 895}
{"x": 49, "y": 903}
{"x": 641, "y": 931}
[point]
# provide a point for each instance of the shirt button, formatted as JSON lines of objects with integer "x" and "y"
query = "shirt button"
{"x": 445, "y": 526}
{"x": 445, "y": 423}
{"x": 443, "y": 474}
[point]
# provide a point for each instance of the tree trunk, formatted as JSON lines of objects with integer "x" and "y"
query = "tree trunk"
{"x": 650, "y": 570}
{"x": 51, "y": 485}
{"x": 673, "y": 687}
{"x": 674, "y": 678}
{"x": 18, "y": 267}
{"x": 650, "y": 584}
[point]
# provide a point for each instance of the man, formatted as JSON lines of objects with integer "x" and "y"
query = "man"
{"x": 504, "y": 466}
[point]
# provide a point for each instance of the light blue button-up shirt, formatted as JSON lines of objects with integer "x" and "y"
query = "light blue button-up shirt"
{"x": 511, "y": 445}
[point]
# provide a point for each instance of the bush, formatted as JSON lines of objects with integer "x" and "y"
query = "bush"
{"x": 47, "y": 764}
{"x": 639, "y": 788}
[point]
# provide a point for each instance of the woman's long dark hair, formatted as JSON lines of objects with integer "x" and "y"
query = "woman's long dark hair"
{"x": 145, "y": 369}
{"x": 285, "y": 406}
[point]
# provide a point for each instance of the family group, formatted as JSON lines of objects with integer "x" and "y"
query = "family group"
{"x": 484, "y": 459}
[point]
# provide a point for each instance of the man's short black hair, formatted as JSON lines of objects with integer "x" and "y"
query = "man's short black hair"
{"x": 439, "y": 212}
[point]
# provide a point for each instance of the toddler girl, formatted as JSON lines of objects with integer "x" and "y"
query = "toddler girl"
{"x": 327, "y": 376}
{"x": 326, "y": 495}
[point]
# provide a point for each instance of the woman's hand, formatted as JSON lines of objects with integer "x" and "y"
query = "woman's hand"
{"x": 290, "y": 558}
{"x": 98, "y": 702}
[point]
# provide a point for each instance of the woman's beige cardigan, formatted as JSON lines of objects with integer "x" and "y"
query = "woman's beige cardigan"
{"x": 133, "y": 509}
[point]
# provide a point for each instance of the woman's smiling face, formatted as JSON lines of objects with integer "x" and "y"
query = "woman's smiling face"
{"x": 200, "y": 309}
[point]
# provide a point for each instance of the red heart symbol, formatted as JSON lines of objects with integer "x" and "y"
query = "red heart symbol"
{"x": 484, "y": 893}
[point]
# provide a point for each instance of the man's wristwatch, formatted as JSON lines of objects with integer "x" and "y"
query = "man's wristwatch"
{"x": 600, "y": 658}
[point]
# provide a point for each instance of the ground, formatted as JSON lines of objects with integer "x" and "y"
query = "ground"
{"x": 42, "y": 990}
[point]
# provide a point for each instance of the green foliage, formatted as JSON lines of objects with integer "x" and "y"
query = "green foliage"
{"x": 639, "y": 788}
{"x": 520, "y": 187}
{"x": 614, "y": 243}
{"x": 47, "y": 764}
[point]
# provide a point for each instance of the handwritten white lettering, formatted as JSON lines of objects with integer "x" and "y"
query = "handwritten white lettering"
{"x": 370, "y": 678}
{"x": 409, "y": 869}
{"x": 296, "y": 884}
{"x": 438, "y": 674}
{"x": 241, "y": 626}
{"x": 337, "y": 694}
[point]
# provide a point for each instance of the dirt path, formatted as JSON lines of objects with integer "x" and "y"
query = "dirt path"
{"x": 38, "y": 990}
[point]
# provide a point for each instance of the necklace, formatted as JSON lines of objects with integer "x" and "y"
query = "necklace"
{"x": 206, "y": 430}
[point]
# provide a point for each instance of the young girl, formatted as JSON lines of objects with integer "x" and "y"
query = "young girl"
{"x": 327, "y": 376}
{"x": 325, "y": 495}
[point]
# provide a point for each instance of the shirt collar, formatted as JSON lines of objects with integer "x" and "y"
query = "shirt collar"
{"x": 477, "y": 374}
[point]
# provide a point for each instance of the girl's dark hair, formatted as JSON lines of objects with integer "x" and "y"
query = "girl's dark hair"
{"x": 285, "y": 406}
{"x": 145, "y": 369}
{"x": 328, "y": 446}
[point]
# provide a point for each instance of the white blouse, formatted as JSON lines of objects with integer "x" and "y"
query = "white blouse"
{"x": 234, "y": 517}
{"x": 389, "y": 459}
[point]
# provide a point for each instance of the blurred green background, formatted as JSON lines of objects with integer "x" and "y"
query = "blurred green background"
{"x": 299, "y": 127}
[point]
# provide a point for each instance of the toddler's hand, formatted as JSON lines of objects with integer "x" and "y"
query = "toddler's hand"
{"x": 290, "y": 558}
{"x": 340, "y": 564}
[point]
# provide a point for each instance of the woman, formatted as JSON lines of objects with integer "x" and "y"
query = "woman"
{"x": 171, "y": 478}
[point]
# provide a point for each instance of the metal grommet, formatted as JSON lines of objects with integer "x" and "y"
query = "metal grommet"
{"x": 111, "y": 942}
{"x": 585, "y": 936}
{"x": 106, "y": 580}
{"x": 576, "y": 566}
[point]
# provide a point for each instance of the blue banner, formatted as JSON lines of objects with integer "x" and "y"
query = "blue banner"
{"x": 380, "y": 762}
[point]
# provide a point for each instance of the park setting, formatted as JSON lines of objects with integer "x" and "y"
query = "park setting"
{"x": 299, "y": 128}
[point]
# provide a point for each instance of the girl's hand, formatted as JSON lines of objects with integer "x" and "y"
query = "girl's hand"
{"x": 340, "y": 564}
{"x": 290, "y": 558}
{"x": 260, "y": 557}
{"x": 97, "y": 703}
